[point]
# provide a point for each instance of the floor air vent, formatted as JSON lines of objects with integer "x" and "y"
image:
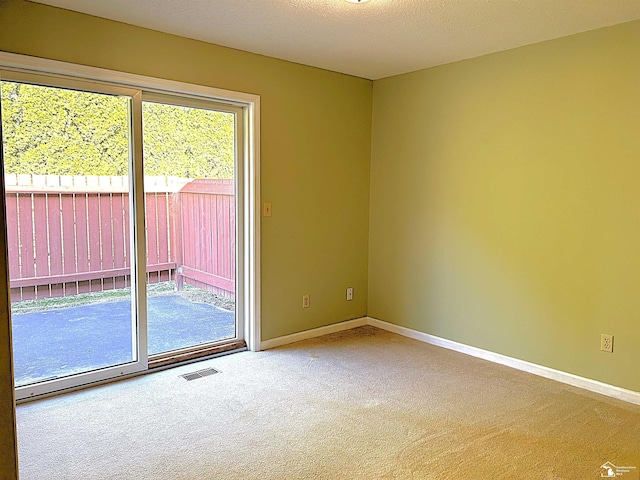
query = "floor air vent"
{"x": 199, "y": 374}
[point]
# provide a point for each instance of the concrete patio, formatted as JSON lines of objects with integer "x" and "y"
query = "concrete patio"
{"x": 64, "y": 341}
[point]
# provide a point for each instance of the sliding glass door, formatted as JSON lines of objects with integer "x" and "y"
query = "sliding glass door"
{"x": 68, "y": 150}
{"x": 190, "y": 150}
{"x": 125, "y": 212}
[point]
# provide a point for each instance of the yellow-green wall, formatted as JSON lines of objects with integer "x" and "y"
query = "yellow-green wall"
{"x": 505, "y": 203}
{"x": 315, "y": 154}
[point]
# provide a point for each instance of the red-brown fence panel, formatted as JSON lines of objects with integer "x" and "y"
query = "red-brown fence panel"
{"x": 206, "y": 236}
{"x": 65, "y": 240}
{"x": 70, "y": 235}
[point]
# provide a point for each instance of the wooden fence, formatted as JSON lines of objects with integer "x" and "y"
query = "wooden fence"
{"x": 204, "y": 219}
{"x": 70, "y": 235}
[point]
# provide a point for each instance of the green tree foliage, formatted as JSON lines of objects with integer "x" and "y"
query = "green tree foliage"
{"x": 55, "y": 131}
{"x": 187, "y": 142}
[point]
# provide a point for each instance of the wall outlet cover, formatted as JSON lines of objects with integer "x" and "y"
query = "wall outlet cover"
{"x": 606, "y": 343}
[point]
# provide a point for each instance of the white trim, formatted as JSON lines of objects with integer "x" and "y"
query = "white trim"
{"x": 124, "y": 376}
{"x": 44, "y": 65}
{"x": 252, "y": 278}
{"x": 316, "y": 332}
{"x": 138, "y": 243}
{"x": 568, "y": 378}
{"x": 563, "y": 377}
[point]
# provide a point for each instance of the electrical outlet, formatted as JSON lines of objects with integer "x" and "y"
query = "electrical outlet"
{"x": 606, "y": 343}
{"x": 305, "y": 300}
{"x": 349, "y": 293}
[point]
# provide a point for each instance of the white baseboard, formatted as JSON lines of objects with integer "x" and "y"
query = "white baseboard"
{"x": 623, "y": 394}
{"x": 316, "y": 332}
{"x": 585, "y": 383}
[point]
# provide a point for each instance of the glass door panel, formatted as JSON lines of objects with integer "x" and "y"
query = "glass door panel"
{"x": 190, "y": 193}
{"x": 67, "y": 159}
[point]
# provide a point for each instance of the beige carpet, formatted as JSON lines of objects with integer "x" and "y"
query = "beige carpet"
{"x": 361, "y": 404}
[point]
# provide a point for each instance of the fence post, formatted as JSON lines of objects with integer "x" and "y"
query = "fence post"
{"x": 176, "y": 238}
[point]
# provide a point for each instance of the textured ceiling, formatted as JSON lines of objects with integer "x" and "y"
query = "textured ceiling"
{"x": 373, "y": 40}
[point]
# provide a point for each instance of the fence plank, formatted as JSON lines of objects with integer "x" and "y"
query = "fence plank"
{"x": 164, "y": 243}
{"x": 209, "y": 186}
{"x": 94, "y": 256}
{"x": 208, "y": 278}
{"x": 162, "y": 213}
{"x": 13, "y": 240}
{"x": 231, "y": 243}
{"x": 27, "y": 268}
{"x": 55, "y": 243}
{"x": 152, "y": 234}
{"x": 215, "y": 232}
{"x": 55, "y": 235}
{"x": 188, "y": 230}
{"x": 93, "y": 240}
{"x": 207, "y": 236}
{"x": 28, "y": 293}
{"x": 82, "y": 239}
{"x": 177, "y": 252}
{"x": 127, "y": 234}
{"x": 196, "y": 251}
{"x": 230, "y": 234}
{"x": 68, "y": 242}
{"x": 81, "y": 233}
{"x": 223, "y": 236}
{"x": 68, "y": 235}
{"x": 151, "y": 223}
{"x": 118, "y": 225}
{"x": 118, "y": 202}
{"x": 41, "y": 236}
{"x": 106, "y": 238}
{"x": 41, "y": 242}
